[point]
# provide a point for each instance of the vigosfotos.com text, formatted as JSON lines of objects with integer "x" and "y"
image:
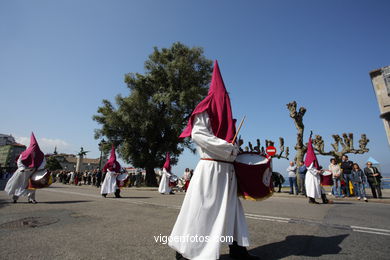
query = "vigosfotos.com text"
{"x": 192, "y": 239}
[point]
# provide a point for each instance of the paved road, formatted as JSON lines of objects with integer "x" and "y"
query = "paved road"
{"x": 77, "y": 223}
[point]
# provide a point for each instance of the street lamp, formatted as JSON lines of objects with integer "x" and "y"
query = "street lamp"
{"x": 101, "y": 144}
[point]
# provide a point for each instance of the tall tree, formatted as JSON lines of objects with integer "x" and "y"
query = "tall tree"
{"x": 146, "y": 124}
{"x": 52, "y": 164}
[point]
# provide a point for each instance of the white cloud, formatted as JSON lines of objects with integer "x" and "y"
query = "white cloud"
{"x": 47, "y": 145}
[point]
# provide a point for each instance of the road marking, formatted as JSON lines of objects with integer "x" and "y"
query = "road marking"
{"x": 373, "y": 229}
{"x": 123, "y": 201}
{"x": 368, "y": 230}
{"x": 371, "y": 232}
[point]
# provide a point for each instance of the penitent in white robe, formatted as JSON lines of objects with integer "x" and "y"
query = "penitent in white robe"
{"x": 17, "y": 184}
{"x": 109, "y": 184}
{"x": 211, "y": 208}
{"x": 164, "y": 183}
{"x": 313, "y": 182}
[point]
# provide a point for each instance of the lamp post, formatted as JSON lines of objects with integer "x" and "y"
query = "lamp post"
{"x": 102, "y": 142}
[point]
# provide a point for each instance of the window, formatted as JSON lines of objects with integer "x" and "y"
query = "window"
{"x": 386, "y": 77}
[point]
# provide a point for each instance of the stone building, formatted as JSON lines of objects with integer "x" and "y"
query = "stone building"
{"x": 69, "y": 161}
{"x": 9, "y": 152}
{"x": 6, "y": 139}
{"x": 381, "y": 82}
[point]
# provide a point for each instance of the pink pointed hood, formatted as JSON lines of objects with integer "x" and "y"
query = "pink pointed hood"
{"x": 218, "y": 107}
{"x": 311, "y": 156}
{"x": 33, "y": 156}
{"x": 167, "y": 164}
{"x": 112, "y": 164}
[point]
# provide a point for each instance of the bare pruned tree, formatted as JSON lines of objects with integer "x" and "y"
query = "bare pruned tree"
{"x": 297, "y": 116}
{"x": 346, "y": 144}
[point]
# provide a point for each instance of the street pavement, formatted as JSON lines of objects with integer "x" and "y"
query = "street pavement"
{"x": 75, "y": 222}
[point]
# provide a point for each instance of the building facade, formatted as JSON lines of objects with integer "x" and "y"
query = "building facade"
{"x": 9, "y": 154}
{"x": 6, "y": 139}
{"x": 68, "y": 162}
{"x": 380, "y": 79}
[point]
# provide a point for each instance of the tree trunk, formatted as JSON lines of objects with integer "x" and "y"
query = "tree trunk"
{"x": 150, "y": 177}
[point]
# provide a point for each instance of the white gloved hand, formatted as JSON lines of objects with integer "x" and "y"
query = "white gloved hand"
{"x": 235, "y": 150}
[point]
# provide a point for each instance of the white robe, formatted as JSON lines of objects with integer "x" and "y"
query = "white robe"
{"x": 313, "y": 182}
{"x": 17, "y": 184}
{"x": 109, "y": 183}
{"x": 211, "y": 207}
{"x": 164, "y": 183}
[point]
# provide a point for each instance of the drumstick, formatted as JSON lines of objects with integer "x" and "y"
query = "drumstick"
{"x": 238, "y": 130}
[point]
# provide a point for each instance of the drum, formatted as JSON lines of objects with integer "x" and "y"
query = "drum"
{"x": 122, "y": 180}
{"x": 253, "y": 172}
{"x": 173, "y": 180}
{"x": 40, "y": 179}
{"x": 326, "y": 178}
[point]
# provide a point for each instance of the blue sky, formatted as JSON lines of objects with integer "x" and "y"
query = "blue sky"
{"x": 59, "y": 59}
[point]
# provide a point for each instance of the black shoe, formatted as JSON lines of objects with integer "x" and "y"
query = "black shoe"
{"x": 15, "y": 201}
{"x": 118, "y": 196}
{"x": 104, "y": 195}
{"x": 180, "y": 257}
{"x": 240, "y": 252}
{"x": 324, "y": 199}
{"x": 313, "y": 201}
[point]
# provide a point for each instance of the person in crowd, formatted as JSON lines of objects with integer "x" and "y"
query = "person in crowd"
{"x": 335, "y": 169}
{"x": 358, "y": 181}
{"x": 94, "y": 177}
{"x": 72, "y": 175}
{"x": 346, "y": 168}
{"x": 278, "y": 180}
{"x": 292, "y": 177}
{"x": 374, "y": 180}
{"x": 77, "y": 178}
{"x": 85, "y": 176}
{"x": 89, "y": 178}
{"x": 138, "y": 179}
{"x": 29, "y": 161}
{"x": 302, "y": 175}
{"x": 187, "y": 178}
{"x": 98, "y": 178}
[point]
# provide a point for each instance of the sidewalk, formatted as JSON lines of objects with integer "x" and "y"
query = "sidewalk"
{"x": 385, "y": 195}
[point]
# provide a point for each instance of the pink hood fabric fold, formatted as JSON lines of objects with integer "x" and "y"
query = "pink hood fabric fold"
{"x": 167, "y": 164}
{"x": 32, "y": 157}
{"x": 218, "y": 107}
{"x": 112, "y": 164}
{"x": 311, "y": 156}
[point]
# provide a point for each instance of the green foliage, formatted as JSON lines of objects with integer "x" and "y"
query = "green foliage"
{"x": 146, "y": 124}
{"x": 52, "y": 164}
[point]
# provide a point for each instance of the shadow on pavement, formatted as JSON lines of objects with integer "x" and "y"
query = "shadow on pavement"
{"x": 311, "y": 246}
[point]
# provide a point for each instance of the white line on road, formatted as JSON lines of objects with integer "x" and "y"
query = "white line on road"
{"x": 373, "y": 229}
{"x": 371, "y": 232}
{"x": 368, "y": 230}
{"x": 270, "y": 217}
